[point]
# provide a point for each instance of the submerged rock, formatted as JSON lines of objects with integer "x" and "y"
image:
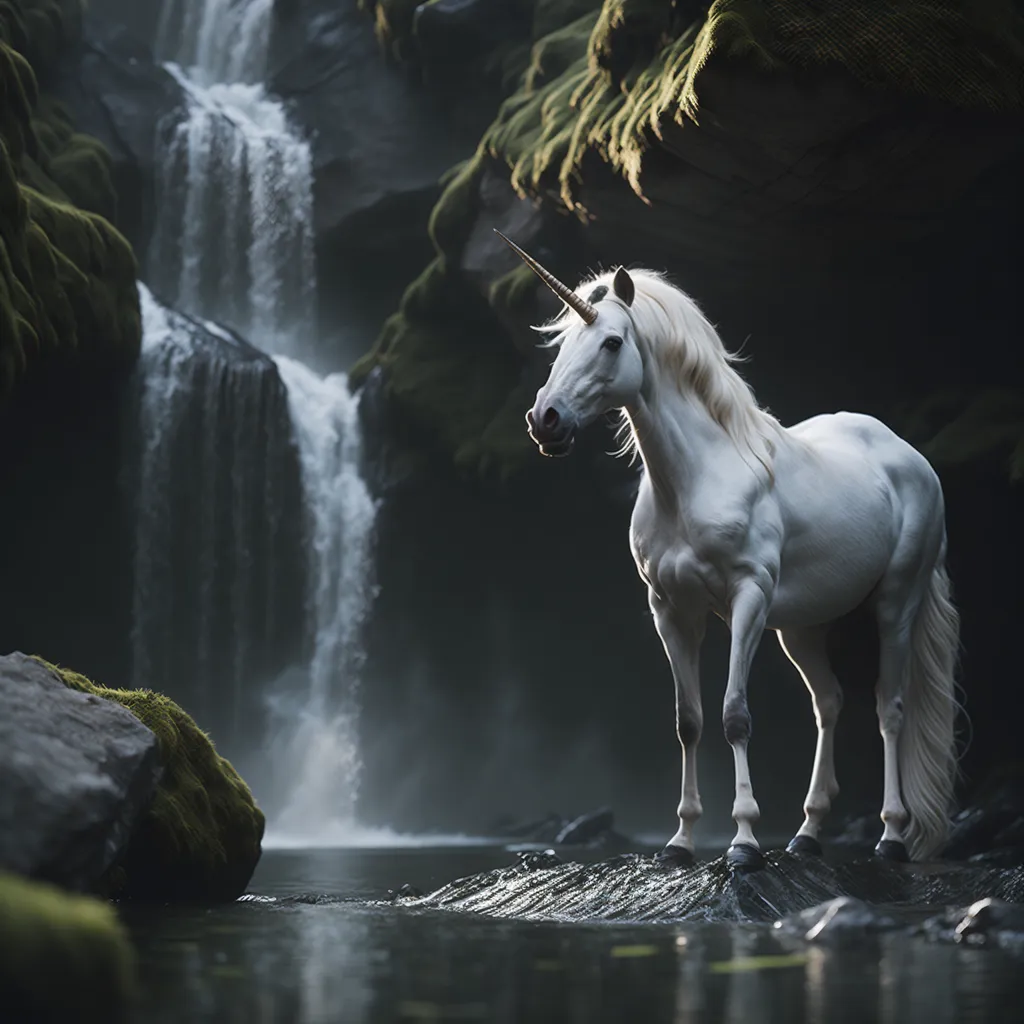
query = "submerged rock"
{"x": 841, "y": 920}
{"x": 199, "y": 839}
{"x": 986, "y": 922}
{"x": 76, "y": 776}
{"x": 62, "y": 957}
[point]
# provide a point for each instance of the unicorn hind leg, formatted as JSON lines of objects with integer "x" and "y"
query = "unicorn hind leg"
{"x": 918, "y": 635}
{"x": 806, "y": 649}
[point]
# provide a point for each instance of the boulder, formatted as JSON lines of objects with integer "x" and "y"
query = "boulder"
{"x": 77, "y": 774}
{"x": 200, "y": 838}
{"x": 62, "y": 957}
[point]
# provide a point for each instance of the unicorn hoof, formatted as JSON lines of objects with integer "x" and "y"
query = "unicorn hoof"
{"x": 804, "y": 846}
{"x": 674, "y": 857}
{"x": 744, "y": 857}
{"x": 892, "y": 849}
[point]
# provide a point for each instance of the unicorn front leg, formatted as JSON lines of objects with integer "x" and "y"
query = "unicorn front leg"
{"x": 682, "y": 635}
{"x": 747, "y": 621}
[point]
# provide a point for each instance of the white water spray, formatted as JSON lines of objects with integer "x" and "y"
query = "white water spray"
{"x": 234, "y": 243}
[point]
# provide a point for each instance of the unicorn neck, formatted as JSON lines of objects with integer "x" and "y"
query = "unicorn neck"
{"x": 678, "y": 440}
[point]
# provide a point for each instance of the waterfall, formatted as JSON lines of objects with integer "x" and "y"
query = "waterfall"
{"x": 234, "y": 239}
{"x": 234, "y": 244}
{"x": 217, "y": 496}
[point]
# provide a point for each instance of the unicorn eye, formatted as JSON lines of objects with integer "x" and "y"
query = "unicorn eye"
{"x": 613, "y": 344}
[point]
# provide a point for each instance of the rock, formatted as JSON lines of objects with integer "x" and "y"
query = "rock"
{"x": 841, "y": 920}
{"x": 200, "y": 838}
{"x": 381, "y": 143}
{"x": 77, "y": 774}
{"x": 988, "y": 922}
{"x": 631, "y": 887}
{"x": 116, "y": 93}
{"x": 593, "y": 829}
{"x": 450, "y": 33}
{"x": 587, "y": 827}
{"x": 538, "y": 860}
{"x": 994, "y": 820}
{"x": 406, "y": 891}
{"x": 62, "y": 957}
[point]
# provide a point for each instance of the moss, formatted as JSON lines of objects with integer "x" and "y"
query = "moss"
{"x": 67, "y": 277}
{"x": 200, "y": 839}
{"x": 62, "y": 957}
{"x": 643, "y": 68}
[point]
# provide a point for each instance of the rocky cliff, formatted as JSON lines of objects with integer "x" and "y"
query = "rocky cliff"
{"x": 811, "y": 173}
{"x": 67, "y": 277}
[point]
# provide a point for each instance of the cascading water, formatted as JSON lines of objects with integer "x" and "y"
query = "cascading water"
{"x": 234, "y": 243}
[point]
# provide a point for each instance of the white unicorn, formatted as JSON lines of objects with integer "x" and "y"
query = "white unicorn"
{"x": 767, "y": 527}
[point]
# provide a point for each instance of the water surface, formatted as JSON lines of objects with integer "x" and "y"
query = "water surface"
{"x": 326, "y": 949}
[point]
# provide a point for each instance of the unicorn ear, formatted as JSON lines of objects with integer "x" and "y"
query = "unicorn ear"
{"x": 623, "y": 285}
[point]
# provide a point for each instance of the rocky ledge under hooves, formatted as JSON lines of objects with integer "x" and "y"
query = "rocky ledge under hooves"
{"x": 632, "y": 888}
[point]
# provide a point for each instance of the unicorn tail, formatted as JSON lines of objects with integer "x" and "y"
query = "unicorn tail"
{"x": 927, "y": 743}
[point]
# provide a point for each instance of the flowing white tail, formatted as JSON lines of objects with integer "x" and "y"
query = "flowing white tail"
{"x": 927, "y": 743}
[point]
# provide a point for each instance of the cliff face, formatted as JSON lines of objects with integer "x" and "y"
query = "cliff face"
{"x": 811, "y": 174}
{"x": 67, "y": 277}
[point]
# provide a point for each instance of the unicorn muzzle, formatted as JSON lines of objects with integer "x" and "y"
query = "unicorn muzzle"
{"x": 553, "y": 430}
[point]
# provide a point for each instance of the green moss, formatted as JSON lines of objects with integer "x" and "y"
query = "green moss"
{"x": 643, "y": 69}
{"x": 62, "y": 957}
{"x": 67, "y": 277}
{"x": 200, "y": 839}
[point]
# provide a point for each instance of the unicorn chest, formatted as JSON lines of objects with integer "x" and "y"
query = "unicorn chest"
{"x": 689, "y": 559}
{"x": 680, "y": 572}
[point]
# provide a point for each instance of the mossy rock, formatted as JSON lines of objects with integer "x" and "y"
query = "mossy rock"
{"x": 201, "y": 838}
{"x": 62, "y": 957}
{"x": 67, "y": 277}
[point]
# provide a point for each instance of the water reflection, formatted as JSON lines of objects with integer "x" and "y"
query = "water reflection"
{"x": 295, "y": 960}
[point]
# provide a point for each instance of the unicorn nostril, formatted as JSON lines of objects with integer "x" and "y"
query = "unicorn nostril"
{"x": 551, "y": 418}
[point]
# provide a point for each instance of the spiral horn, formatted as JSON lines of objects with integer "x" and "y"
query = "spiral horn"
{"x": 567, "y": 295}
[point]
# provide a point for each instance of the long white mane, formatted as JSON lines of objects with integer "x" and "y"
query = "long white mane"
{"x": 685, "y": 348}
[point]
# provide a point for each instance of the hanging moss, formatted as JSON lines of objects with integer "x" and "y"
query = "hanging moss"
{"x": 643, "y": 68}
{"x": 67, "y": 277}
{"x": 200, "y": 839}
{"x": 62, "y": 957}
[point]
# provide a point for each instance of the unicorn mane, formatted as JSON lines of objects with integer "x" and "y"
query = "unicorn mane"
{"x": 687, "y": 350}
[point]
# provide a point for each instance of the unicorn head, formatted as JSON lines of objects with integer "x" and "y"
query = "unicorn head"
{"x": 599, "y": 366}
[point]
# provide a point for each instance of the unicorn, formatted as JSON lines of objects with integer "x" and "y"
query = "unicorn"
{"x": 769, "y": 528}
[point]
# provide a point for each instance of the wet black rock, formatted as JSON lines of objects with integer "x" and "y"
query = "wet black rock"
{"x": 842, "y": 920}
{"x": 538, "y": 860}
{"x": 993, "y": 826}
{"x": 987, "y": 922}
{"x": 407, "y": 891}
{"x": 594, "y": 829}
{"x": 632, "y": 887}
{"x": 76, "y": 774}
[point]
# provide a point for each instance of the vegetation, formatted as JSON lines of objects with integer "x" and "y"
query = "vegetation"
{"x": 599, "y": 79}
{"x": 200, "y": 839}
{"x": 62, "y": 957}
{"x": 67, "y": 277}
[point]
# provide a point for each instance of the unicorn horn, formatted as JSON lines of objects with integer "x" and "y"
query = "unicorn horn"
{"x": 567, "y": 295}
